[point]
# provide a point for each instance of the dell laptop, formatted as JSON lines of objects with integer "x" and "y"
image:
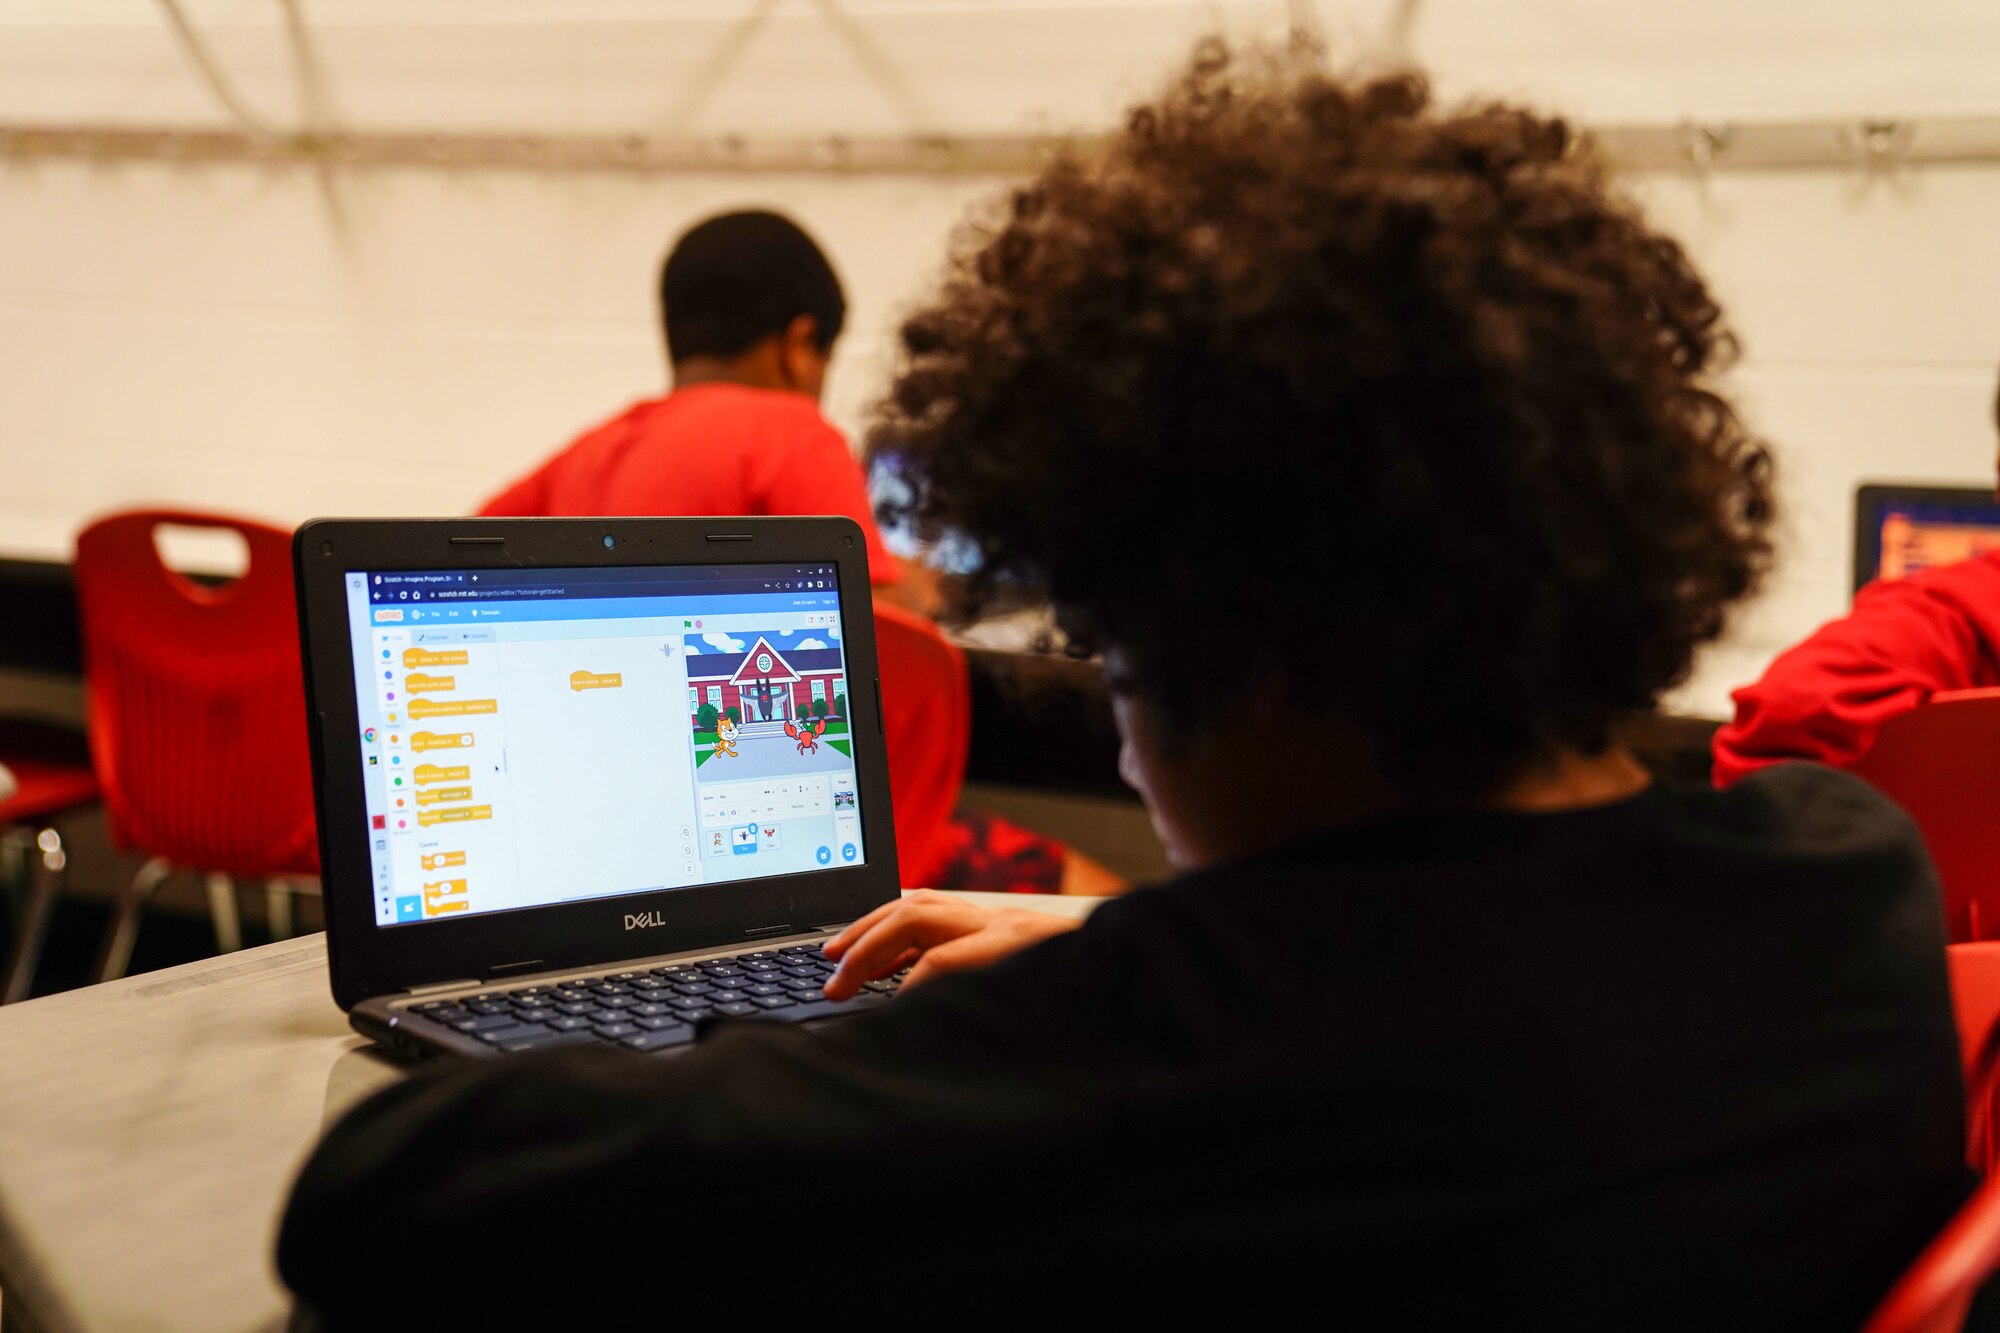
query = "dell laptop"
{"x": 591, "y": 781}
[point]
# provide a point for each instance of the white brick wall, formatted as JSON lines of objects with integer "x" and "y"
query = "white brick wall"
{"x": 287, "y": 340}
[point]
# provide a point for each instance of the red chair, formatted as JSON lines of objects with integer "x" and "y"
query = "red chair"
{"x": 1941, "y": 763}
{"x": 1934, "y": 1294}
{"x": 927, "y": 721}
{"x": 1937, "y": 1291}
{"x": 1975, "y": 1000}
{"x": 52, "y": 776}
{"x": 197, "y": 715}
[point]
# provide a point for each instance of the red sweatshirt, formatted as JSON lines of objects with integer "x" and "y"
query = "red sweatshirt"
{"x": 1901, "y": 643}
{"x": 707, "y": 449}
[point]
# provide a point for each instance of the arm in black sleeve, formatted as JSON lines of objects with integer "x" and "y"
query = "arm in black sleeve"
{"x": 953, "y": 1093}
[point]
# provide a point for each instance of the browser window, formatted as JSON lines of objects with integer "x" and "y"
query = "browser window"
{"x": 532, "y": 737}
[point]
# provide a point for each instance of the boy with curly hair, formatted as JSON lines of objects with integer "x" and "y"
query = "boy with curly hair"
{"x": 1376, "y": 448}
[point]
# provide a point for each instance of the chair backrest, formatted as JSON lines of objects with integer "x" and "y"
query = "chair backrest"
{"x": 1941, "y": 762}
{"x": 196, "y": 701}
{"x": 1934, "y": 1294}
{"x": 1975, "y": 1002}
{"x": 927, "y": 721}
{"x": 1937, "y": 1289}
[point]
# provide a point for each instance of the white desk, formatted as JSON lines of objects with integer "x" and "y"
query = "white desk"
{"x": 150, "y": 1128}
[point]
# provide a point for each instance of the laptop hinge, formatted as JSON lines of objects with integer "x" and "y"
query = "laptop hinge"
{"x": 435, "y": 986}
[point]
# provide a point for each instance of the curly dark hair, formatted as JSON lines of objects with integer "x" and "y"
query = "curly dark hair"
{"x": 1301, "y": 380}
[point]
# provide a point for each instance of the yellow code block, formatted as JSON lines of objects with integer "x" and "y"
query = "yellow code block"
{"x": 446, "y": 895}
{"x": 429, "y": 773}
{"x": 452, "y": 707}
{"x": 454, "y": 814}
{"x": 591, "y": 680}
{"x": 431, "y": 740}
{"x": 439, "y": 795}
{"x": 425, "y": 657}
{"x": 416, "y": 682}
{"x": 439, "y": 860}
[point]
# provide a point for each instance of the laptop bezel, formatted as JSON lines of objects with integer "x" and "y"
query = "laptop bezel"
{"x": 368, "y": 960}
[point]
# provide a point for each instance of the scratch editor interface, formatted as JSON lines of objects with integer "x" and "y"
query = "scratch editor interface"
{"x": 546, "y": 736}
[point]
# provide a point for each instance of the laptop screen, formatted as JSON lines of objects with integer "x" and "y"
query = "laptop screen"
{"x": 533, "y": 737}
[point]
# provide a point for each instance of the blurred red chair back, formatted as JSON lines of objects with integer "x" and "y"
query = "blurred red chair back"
{"x": 195, "y": 697}
{"x": 1975, "y": 1002}
{"x": 1934, "y": 1294}
{"x": 927, "y": 721}
{"x": 1941, "y": 763}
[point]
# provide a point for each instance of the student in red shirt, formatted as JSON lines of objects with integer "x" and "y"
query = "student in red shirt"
{"x": 752, "y": 309}
{"x": 1903, "y": 641}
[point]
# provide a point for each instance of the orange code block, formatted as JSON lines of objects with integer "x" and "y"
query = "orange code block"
{"x": 452, "y": 707}
{"x": 454, "y": 814}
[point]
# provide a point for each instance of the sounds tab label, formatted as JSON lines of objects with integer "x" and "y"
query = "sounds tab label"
{"x": 425, "y": 657}
{"x": 427, "y": 774}
{"x": 439, "y": 860}
{"x": 417, "y": 682}
{"x": 452, "y": 707}
{"x": 431, "y": 740}
{"x": 591, "y": 680}
{"x": 456, "y": 814}
{"x": 439, "y": 795}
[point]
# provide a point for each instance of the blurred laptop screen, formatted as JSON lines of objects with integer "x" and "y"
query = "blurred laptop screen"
{"x": 1902, "y": 530}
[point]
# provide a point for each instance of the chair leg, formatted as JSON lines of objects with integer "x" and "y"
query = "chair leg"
{"x": 278, "y": 907}
{"x": 116, "y": 955}
{"x": 44, "y": 882}
{"x": 222, "y": 910}
{"x": 15, "y": 841}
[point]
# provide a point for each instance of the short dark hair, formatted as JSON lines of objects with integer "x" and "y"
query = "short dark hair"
{"x": 1300, "y": 380}
{"x": 738, "y": 278}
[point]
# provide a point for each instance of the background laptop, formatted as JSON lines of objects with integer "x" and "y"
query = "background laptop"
{"x": 1900, "y": 529}
{"x": 563, "y": 767}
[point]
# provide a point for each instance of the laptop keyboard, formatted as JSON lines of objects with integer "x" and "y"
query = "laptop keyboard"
{"x": 655, "y": 1008}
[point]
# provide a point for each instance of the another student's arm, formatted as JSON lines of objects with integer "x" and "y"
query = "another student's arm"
{"x": 1825, "y": 699}
{"x": 546, "y": 1176}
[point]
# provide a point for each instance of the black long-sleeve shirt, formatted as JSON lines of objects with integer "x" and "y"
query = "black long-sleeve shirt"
{"x": 1683, "y": 1061}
